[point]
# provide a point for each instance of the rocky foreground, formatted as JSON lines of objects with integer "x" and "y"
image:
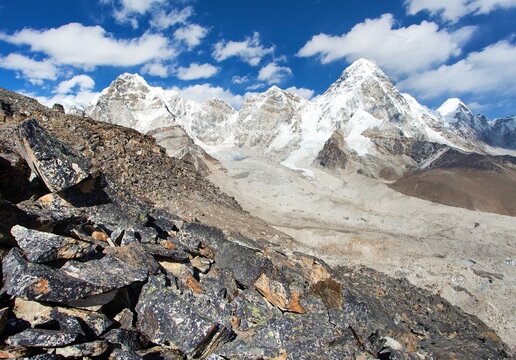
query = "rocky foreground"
{"x": 92, "y": 271}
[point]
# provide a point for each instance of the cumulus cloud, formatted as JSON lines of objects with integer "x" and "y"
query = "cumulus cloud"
{"x": 33, "y": 70}
{"x": 191, "y": 35}
{"x": 80, "y": 82}
{"x": 196, "y": 71}
{"x": 453, "y": 10}
{"x": 491, "y": 70}
{"x": 249, "y": 50}
{"x": 163, "y": 19}
{"x": 89, "y": 46}
{"x": 75, "y": 91}
{"x": 203, "y": 92}
{"x": 156, "y": 69}
{"x": 303, "y": 92}
{"x": 398, "y": 50}
{"x": 273, "y": 73}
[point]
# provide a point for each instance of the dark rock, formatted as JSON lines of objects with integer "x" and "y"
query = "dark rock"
{"x": 48, "y": 284}
{"x": 42, "y": 247}
{"x": 4, "y": 314}
{"x": 58, "y": 108}
{"x": 135, "y": 255}
{"x": 332, "y": 155}
{"x": 125, "y": 318}
{"x": 124, "y": 354}
{"x": 158, "y": 310}
{"x": 160, "y": 353}
{"x": 95, "y": 348}
{"x": 109, "y": 272}
{"x": 130, "y": 338}
{"x": 53, "y": 161}
{"x": 41, "y": 338}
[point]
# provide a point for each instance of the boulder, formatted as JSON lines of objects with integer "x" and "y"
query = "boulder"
{"x": 44, "y": 283}
{"x": 40, "y": 246}
{"x": 159, "y": 309}
{"x": 52, "y": 160}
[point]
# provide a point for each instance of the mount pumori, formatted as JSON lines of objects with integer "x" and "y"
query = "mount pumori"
{"x": 382, "y": 132}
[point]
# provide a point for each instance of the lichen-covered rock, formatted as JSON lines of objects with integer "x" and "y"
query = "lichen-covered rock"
{"x": 108, "y": 272}
{"x": 40, "y": 246}
{"x": 41, "y": 338}
{"x": 95, "y": 348}
{"x": 134, "y": 255}
{"x": 54, "y": 162}
{"x": 130, "y": 338}
{"x": 43, "y": 283}
{"x": 168, "y": 320}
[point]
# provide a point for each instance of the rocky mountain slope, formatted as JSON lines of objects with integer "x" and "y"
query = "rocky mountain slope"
{"x": 91, "y": 267}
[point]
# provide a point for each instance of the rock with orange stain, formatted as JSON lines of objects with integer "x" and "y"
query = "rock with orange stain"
{"x": 40, "y": 246}
{"x": 36, "y": 281}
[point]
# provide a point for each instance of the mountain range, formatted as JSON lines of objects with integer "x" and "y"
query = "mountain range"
{"x": 362, "y": 120}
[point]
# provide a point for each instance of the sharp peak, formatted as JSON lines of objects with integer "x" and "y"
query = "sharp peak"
{"x": 131, "y": 77}
{"x": 363, "y": 65}
{"x": 452, "y": 105}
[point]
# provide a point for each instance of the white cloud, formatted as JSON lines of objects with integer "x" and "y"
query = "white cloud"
{"x": 75, "y": 91}
{"x": 203, "y": 92}
{"x": 33, "y": 70}
{"x": 196, "y": 71}
{"x": 303, "y": 92}
{"x": 399, "y": 50}
{"x": 82, "y": 82}
{"x": 255, "y": 87}
{"x": 453, "y": 10}
{"x": 486, "y": 72}
{"x": 127, "y": 11}
{"x": 156, "y": 69}
{"x": 90, "y": 46}
{"x": 191, "y": 34}
{"x": 272, "y": 73}
{"x": 163, "y": 20}
{"x": 250, "y": 50}
{"x": 239, "y": 79}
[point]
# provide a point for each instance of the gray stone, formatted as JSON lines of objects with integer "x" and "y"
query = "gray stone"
{"x": 124, "y": 354}
{"x": 108, "y": 272}
{"x": 43, "y": 283}
{"x": 40, "y": 246}
{"x": 95, "y": 348}
{"x": 135, "y": 255}
{"x": 52, "y": 160}
{"x": 130, "y": 338}
{"x": 41, "y": 338}
{"x": 168, "y": 320}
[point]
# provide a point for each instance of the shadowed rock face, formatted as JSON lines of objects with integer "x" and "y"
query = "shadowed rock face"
{"x": 229, "y": 297}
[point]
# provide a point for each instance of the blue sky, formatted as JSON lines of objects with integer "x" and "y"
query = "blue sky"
{"x": 65, "y": 51}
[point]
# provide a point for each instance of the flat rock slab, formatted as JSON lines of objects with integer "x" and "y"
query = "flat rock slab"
{"x": 40, "y": 246}
{"x": 40, "y": 282}
{"x": 108, "y": 272}
{"x": 167, "y": 319}
{"x": 52, "y": 160}
{"x": 41, "y": 338}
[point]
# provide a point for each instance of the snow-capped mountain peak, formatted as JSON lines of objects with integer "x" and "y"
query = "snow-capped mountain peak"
{"x": 451, "y": 107}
